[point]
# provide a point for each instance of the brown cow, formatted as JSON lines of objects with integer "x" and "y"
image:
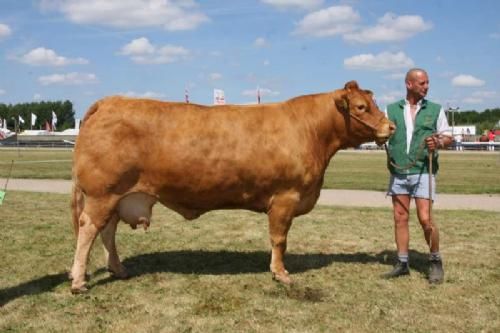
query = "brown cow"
{"x": 270, "y": 158}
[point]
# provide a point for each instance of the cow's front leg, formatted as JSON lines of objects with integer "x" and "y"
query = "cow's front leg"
{"x": 110, "y": 252}
{"x": 280, "y": 216}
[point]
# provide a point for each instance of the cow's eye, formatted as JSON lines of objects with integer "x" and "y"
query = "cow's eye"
{"x": 361, "y": 107}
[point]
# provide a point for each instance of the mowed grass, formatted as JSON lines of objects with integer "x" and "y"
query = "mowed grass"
{"x": 460, "y": 172}
{"x": 211, "y": 274}
{"x": 36, "y": 163}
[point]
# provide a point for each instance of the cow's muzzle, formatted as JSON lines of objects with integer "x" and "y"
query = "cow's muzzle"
{"x": 383, "y": 127}
{"x": 384, "y": 130}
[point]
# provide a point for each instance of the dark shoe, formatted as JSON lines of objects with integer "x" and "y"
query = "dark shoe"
{"x": 436, "y": 272}
{"x": 400, "y": 269}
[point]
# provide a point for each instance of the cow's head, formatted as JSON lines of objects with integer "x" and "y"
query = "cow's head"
{"x": 365, "y": 122}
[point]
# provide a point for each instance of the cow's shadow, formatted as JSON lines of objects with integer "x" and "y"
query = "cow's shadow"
{"x": 34, "y": 287}
{"x": 212, "y": 263}
{"x": 231, "y": 262}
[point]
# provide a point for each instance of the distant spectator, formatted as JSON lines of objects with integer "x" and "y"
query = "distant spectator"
{"x": 491, "y": 139}
{"x": 458, "y": 142}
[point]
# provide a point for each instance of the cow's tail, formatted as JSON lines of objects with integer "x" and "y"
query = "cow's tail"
{"x": 77, "y": 204}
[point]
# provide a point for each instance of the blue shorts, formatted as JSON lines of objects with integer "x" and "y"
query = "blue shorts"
{"x": 416, "y": 186}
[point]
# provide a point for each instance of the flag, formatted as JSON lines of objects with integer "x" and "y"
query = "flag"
{"x": 186, "y": 95}
{"x": 54, "y": 120}
{"x": 21, "y": 120}
{"x": 219, "y": 98}
{"x": 258, "y": 95}
{"x": 33, "y": 119}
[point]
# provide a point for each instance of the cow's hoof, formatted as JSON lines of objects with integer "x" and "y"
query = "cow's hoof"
{"x": 282, "y": 277}
{"x": 119, "y": 273}
{"x": 79, "y": 290}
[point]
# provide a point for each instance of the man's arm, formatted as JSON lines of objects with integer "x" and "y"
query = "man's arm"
{"x": 443, "y": 138}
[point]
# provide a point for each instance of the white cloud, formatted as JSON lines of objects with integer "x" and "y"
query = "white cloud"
{"x": 479, "y": 97}
{"x": 263, "y": 92}
{"x": 300, "y": 4}
{"x": 47, "y": 57}
{"x": 381, "y": 61}
{"x": 2, "y": 92}
{"x": 147, "y": 94}
{"x": 138, "y": 46}
{"x": 327, "y": 22}
{"x": 266, "y": 62}
{"x": 5, "y": 31}
{"x": 260, "y": 42}
{"x": 472, "y": 100}
{"x": 170, "y": 14}
{"x": 391, "y": 28}
{"x": 37, "y": 97}
{"x": 485, "y": 94}
{"x": 68, "y": 79}
{"x": 388, "y": 97}
{"x": 464, "y": 80}
{"x": 215, "y": 76}
{"x": 142, "y": 51}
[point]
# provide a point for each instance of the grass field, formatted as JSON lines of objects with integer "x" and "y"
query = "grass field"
{"x": 465, "y": 172}
{"x": 211, "y": 274}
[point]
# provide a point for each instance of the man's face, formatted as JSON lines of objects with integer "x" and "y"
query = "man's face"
{"x": 418, "y": 84}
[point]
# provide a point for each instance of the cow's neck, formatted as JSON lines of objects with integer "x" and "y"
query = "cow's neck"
{"x": 327, "y": 124}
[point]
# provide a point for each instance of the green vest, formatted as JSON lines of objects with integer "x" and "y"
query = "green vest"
{"x": 416, "y": 161}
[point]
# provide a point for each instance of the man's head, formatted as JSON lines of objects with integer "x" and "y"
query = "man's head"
{"x": 417, "y": 84}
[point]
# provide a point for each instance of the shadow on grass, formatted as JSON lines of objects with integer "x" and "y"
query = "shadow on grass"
{"x": 213, "y": 263}
{"x": 231, "y": 262}
{"x": 33, "y": 287}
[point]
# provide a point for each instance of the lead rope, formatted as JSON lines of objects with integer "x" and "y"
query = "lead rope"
{"x": 408, "y": 166}
{"x": 431, "y": 219}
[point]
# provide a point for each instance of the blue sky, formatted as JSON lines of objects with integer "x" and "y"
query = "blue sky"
{"x": 83, "y": 50}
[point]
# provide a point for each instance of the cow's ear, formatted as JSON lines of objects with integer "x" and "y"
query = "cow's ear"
{"x": 351, "y": 85}
{"x": 342, "y": 102}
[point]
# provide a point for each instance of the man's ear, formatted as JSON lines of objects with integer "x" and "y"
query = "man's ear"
{"x": 342, "y": 102}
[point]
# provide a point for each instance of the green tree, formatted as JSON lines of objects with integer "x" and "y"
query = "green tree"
{"x": 43, "y": 111}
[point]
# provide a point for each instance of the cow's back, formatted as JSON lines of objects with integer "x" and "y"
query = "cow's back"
{"x": 212, "y": 157}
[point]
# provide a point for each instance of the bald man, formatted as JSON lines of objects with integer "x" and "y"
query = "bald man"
{"x": 421, "y": 129}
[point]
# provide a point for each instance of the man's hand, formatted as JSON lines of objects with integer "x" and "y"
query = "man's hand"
{"x": 433, "y": 142}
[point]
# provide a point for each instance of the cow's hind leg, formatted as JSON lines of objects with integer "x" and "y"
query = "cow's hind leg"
{"x": 280, "y": 216}
{"x": 92, "y": 220}
{"x": 111, "y": 254}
